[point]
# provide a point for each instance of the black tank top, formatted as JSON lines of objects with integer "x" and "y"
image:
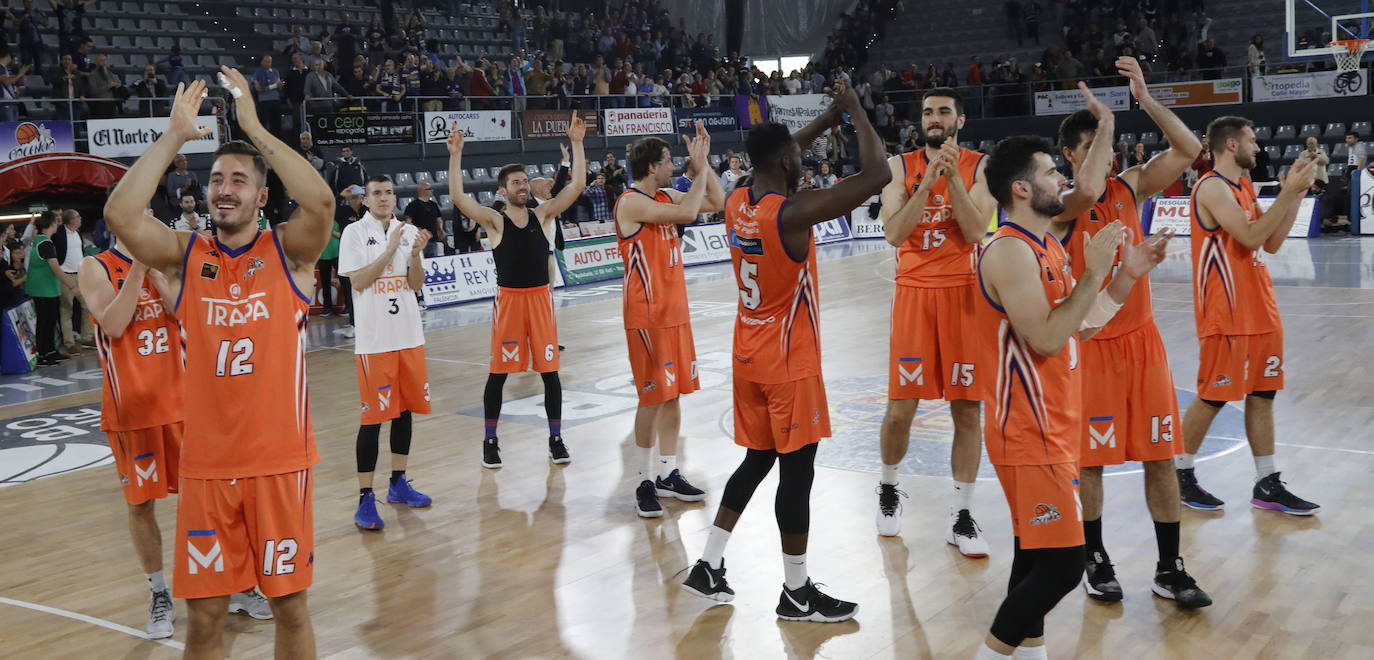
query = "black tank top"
{"x": 522, "y": 256}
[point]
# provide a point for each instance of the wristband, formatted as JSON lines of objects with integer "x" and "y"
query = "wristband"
{"x": 1103, "y": 309}
{"x": 233, "y": 90}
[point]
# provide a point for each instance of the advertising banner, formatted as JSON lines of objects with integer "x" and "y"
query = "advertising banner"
{"x": 1175, "y": 213}
{"x": 477, "y": 125}
{"x": 1312, "y": 85}
{"x": 863, "y": 226}
{"x": 118, "y": 138}
{"x": 1068, "y": 101}
{"x": 591, "y": 260}
{"x": 554, "y": 123}
{"x": 337, "y": 129}
{"x": 797, "y": 110}
{"x": 1364, "y": 200}
{"x": 1202, "y": 92}
{"x": 19, "y": 339}
{"x": 638, "y": 121}
{"x": 716, "y": 120}
{"x": 704, "y": 244}
{"x": 751, "y": 110}
{"x": 461, "y": 278}
{"x": 31, "y": 138}
{"x": 831, "y": 231}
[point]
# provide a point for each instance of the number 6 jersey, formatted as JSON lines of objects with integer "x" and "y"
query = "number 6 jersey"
{"x": 243, "y": 323}
{"x": 143, "y": 367}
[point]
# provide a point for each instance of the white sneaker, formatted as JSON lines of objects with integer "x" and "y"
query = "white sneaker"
{"x": 889, "y": 509}
{"x": 162, "y": 613}
{"x": 251, "y": 603}
{"x": 346, "y": 331}
{"x": 965, "y": 533}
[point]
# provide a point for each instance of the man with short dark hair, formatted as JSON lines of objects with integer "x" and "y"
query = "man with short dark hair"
{"x": 425, "y": 213}
{"x": 177, "y": 181}
{"x": 267, "y": 86}
{"x": 348, "y": 170}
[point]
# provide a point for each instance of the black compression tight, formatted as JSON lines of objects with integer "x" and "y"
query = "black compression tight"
{"x": 1039, "y": 579}
{"x": 368, "y": 439}
{"x": 796, "y": 471}
{"x": 496, "y": 385}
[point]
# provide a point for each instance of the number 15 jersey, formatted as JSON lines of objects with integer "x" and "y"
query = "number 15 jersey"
{"x": 243, "y": 320}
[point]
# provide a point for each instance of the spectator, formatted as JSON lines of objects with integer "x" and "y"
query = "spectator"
{"x": 298, "y": 43}
{"x": 537, "y": 84}
{"x": 1210, "y": 60}
{"x": 390, "y": 85}
{"x": 67, "y": 83}
{"x": 317, "y": 54}
{"x": 1201, "y": 29}
{"x": 345, "y": 214}
{"x": 455, "y": 86}
{"x": 176, "y": 68}
{"x": 70, "y": 14}
{"x": 615, "y": 174}
{"x": 975, "y": 71}
{"x": 410, "y": 77}
{"x": 882, "y": 115}
{"x": 83, "y": 57}
{"x": 826, "y": 178}
{"x": 1069, "y": 70}
{"x": 106, "y": 89}
{"x": 1357, "y": 153}
{"x": 310, "y": 152}
{"x": 734, "y": 171}
{"x": 1015, "y": 20}
{"x": 1255, "y": 56}
{"x": 433, "y": 86}
{"x": 267, "y": 84}
{"x": 320, "y": 85}
{"x": 29, "y": 21}
{"x": 45, "y": 283}
{"x": 1033, "y": 14}
{"x": 67, "y": 241}
{"x": 348, "y": 171}
{"x": 293, "y": 86}
{"x": 150, "y": 87}
{"x": 188, "y": 219}
{"x": 177, "y": 181}
{"x": 1146, "y": 41}
{"x": 596, "y": 196}
{"x": 10, "y": 82}
{"x": 424, "y": 213}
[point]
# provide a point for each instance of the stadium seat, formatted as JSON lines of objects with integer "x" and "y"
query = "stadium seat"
{"x": 548, "y": 170}
{"x": 1274, "y": 152}
{"x": 595, "y": 166}
{"x": 1334, "y": 131}
{"x": 441, "y": 178}
{"x": 404, "y": 182}
{"x": 532, "y": 171}
{"x": 968, "y": 144}
{"x": 486, "y": 197}
{"x": 1286, "y": 132}
{"x": 478, "y": 176}
{"x": 1150, "y": 138}
{"x": 445, "y": 202}
{"x": 986, "y": 146}
{"x": 1340, "y": 151}
{"x": 1291, "y": 152}
{"x": 423, "y": 177}
{"x": 678, "y": 161}
{"x": 1263, "y": 133}
{"x": 402, "y": 203}
{"x": 714, "y": 160}
{"x": 1361, "y": 128}
{"x": 495, "y": 173}
{"x": 120, "y": 41}
{"x": 1128, "y": 138}
{"x": 1310, "y": 130}
{"x": 1335, "y": 170}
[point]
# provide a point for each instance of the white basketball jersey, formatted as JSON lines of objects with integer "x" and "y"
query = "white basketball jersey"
{"x": 386, "y": 314}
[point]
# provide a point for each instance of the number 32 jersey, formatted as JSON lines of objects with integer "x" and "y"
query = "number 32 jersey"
{"x": 143, "y": 367}
{"x": 777, "y": 328}
{"x": 244, "y": 320}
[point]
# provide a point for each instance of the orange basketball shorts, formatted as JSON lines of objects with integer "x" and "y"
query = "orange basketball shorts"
{"x": 664, "y": 363}
{"x": 1233, "y": 366}
{"x": 935, "y": 350}
{"x": 783, "y": 417}
{"x": 233, "y": 534}
{"x": 523, "y": 331}
{"x": 1130, "y": 409}
{"x": 147, "y": 461}
{"x": 1045, "y": 510}
{"x": 391, "y": 383}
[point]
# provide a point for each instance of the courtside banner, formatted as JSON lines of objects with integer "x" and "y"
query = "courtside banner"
{"x": 554, "y": 123}
{"x": 705, "y": 244}
{"x": 715, "y": 120}
{"x": 19, "y": 139}
{"x": 477, "y": 125}
{"x": 861, "y": 225}
{"x": 797, "y": 110}
{"x": 462, "y": 277}
{"x": 1175, "y": 213}
{"x": 1068, "y": 101}
{"x": 121, "y": 138}
{"x": 638, "y": 121}
{"x": 1202, "y": 92}
{"x": 591, "y": 260}
{"x": 1314, "y": 85}
{"x": 1364, "y": 201}
{"x": 831, "y": 231}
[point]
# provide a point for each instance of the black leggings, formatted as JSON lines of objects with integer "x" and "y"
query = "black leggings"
{"x": 327, "y": 269}
{"x": 1039, "y": 579}
{"x": 48, "y": 310}
{"x": 368, "y": 440}
{"x": 792, "y": 504}
{"x": 496, "y": 385}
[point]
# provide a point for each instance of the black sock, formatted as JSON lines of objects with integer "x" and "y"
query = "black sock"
{"x": 397, "y": 475}
{"x": 1166, "y": 537}
{"x": 363, "y": 493}
{"x": 1092, "y": 535}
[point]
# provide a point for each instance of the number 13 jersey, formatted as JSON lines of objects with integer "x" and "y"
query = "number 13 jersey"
{"x": 777, "y": 328}
{"x": 243, "y": 323}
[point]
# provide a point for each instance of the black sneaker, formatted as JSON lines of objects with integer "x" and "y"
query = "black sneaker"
{"x": 46, "y": 361}
{"x": 809, "y": 604}
{"x": 1270, "y": 494}
{"x": 646, "y": 501}
{"x": 1174, "y": 583}
{"x": 676, "y": 486}
{"x": 491, "y": 453}
{"x": 1193, "y": 495}
{"x": 708, "y": 582}
{"x": 60, "y": 357}
{"x": 558, "y": 452}
{"x": 1100, "y": 578}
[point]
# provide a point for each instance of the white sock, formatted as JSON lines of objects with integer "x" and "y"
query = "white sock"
{"x": 155, "y": 581}
{"x": 1184, "y": 461}
{"x": 714, "y": 554}
{"x": 889, "y": 475}
{"x": 1032, "y": 653}
{"x": 646, "y": 463}
{"x": 986, "y": 653}
{"x": 1264, "y": 466}
{"x": 963, "y": 496}
{"x": 794, "y": 571}
{"x": 666, "y": 465}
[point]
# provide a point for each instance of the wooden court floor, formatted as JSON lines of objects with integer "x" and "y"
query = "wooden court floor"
{"x": 538, "y": 561}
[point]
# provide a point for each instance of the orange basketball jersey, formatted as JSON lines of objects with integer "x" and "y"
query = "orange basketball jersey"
{"x": 143, "y": 367}
{"x": 1232, "y": 291}
{"x": 936, "y": 254}
{"x": 1038, "y": 406}
{"x": 247, "y": 411}
{"x": 1116, "y": 203}
{"x": 777, "y": 328}
{"x": 655, "y": 292}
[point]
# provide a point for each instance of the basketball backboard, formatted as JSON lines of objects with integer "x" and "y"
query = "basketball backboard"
{"x": 1311, "y": 25}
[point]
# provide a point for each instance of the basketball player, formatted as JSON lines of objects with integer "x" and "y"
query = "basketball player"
{"x": 935, "y": 211}
{"x": 1129, "y": 403}
{"x": 523, "y": 329}
{"x": 779, "y": 397}
{"x": 658, "y": 328}
{"x": 1238, "y": 323}
{"x": 1033, "y": 434}
{"x": 245, "y": 515}
{"x": 381, "y": 256}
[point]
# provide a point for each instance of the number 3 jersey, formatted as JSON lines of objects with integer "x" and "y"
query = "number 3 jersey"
{"x": 143, "y": 367}
{"x": 777, "y": 328}
{"x": 244, "y": 320}
{"x": 386, "y": 313}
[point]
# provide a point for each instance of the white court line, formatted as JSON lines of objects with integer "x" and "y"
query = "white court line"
{"x": 1287, "y": 304}
{"x": 1348, "y": 451}
{"x": 1285, "y": 314}
{"x": 427, "y": 358}
{"x": 92, "y": 620}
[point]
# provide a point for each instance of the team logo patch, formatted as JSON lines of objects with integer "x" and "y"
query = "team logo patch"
{"x": 1045, "y": 513}
{"x": 234, "y": 290}
{"x": 1101, "y": 432}
{"x": 209, "y": 271}
{"x": 1092, "y": 216}
{"x": 649, "y": 386}
{"x": 1222, "y": 381}
{"x": 254, "y": 265}
{"x": 371, "y": 240}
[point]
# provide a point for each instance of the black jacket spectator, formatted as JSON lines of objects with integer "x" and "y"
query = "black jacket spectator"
{"x": 348, "y": 171}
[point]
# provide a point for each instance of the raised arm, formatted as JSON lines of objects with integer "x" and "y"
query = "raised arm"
{"x": 715, "y": 193}
{"x": 1165, "y": 168}
{"x": 487, "y": 218}
{"x": 112, "y": 310}
{"x": 302, "y": 238}
{"x": 1269, "y": 231}
{"x": 1091, "y": 180}
{"x": 810, "y": 207}
{"x": 152, "y": 243}
{"x": 569, "y": 194}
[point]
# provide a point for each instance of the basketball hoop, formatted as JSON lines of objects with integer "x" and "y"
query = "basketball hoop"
{"x": 1348, "y": 53}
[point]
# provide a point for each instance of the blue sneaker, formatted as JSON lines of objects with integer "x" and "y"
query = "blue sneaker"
{"x": 400, "y": 491}
{"x": 367, "y": 517}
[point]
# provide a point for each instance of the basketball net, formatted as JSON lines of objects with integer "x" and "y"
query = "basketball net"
{"x": 1348, "y": 53}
